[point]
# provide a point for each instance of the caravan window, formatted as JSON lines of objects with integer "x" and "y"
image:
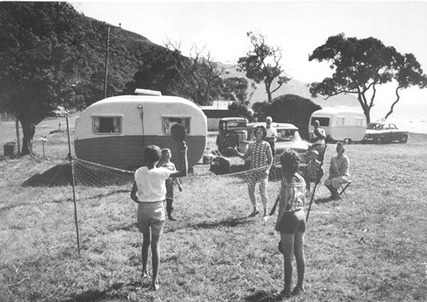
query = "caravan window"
{"x": 340, "y": 121}
{"x": 358, "y": 121}
{"x": 323, "y": 121}
{"x": 168, "y": 122}
{"x": 107, "y": 124}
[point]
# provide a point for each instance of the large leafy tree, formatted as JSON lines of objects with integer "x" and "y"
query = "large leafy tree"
{"x": 360, "y": 65}
{"x": 235, "y": 89}
{"x": 262, "y": 64}
{"x": 160, "y": 69}
{"x": 293, "y": 109}
{"x": 38, "y": 61}
{"x": 167, "y": 70}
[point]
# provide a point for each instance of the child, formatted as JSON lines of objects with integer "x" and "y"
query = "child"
{"x": 149, "y": 191}
{"x": 165, "y": 162}
{"x": 291, "y": 221}
{"x": 311, "y": 171}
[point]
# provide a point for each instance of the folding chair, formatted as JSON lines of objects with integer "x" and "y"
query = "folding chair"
{"x": 344, "y": 186}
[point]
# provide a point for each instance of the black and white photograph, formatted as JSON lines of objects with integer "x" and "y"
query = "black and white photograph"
{"x": 213, "y": 150}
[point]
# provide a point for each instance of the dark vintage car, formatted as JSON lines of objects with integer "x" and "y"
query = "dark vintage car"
{"x": 231, "y": 134}
{"x": 384, "y": 133}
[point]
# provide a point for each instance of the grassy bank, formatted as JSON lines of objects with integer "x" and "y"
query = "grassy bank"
{"x": 370, "y": 246}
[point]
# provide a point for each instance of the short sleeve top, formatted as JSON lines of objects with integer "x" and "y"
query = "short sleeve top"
{"x": 151, "y": 183}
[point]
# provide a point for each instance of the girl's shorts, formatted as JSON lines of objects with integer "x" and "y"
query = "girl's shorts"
{"x": 292, "y": 222}
{"x": 151, "y": 215}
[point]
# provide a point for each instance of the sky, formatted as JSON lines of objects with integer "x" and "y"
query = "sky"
{"x": 296, "y": 27}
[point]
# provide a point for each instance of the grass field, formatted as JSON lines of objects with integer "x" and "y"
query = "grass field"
{"x": 371, "y": 246}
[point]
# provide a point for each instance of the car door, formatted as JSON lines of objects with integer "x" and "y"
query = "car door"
{"x": 394, "y": 135}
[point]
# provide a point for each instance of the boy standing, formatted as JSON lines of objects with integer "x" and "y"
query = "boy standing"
{"x": 149, "y": 191}
{"x": 165, "y": 161}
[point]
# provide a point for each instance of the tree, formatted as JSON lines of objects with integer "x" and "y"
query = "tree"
{"x": 167, "y": 70}
{"x": 38, "y": 61}
{"x": 235, "y": 89}
{"x": 241, "y": 109}
{"x": 360, "y": 65}
{"x": 262, "y": 64}
{"x": 409, "y": 73}
{"x": 201, "y": 78}
{"x": 293, "y": 109}
{"x": 260, "y": 110}
{"x": 159, "y": 70}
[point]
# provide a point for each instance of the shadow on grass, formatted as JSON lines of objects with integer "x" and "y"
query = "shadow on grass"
{"x": 323, "y": 200}
{"x": 229, "y": 222}
{"x": 117, "y": 291}
{"x": 263, "y": 296}
{"x": 59, "y": 175}
{"x": 85, "y": 175}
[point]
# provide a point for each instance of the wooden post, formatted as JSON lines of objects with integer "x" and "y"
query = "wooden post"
{"x": 73, "y": 183}
{"x": 17, "y": 137}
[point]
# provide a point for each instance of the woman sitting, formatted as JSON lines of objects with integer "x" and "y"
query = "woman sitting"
{"x": 338, "y": 172}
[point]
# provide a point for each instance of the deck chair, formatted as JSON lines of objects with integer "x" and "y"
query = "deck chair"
{"x": 344, "y": 186}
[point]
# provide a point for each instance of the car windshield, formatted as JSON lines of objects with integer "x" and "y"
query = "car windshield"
{"x": 374, "y": 126}
{"x": 287, "y": 135}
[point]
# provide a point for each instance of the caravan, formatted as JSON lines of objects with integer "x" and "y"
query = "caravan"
{"x": 340, "y": 123}
{"x": 115, "y": 130}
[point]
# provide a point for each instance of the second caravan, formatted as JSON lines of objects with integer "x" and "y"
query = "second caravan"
{"x": 340, "y": 123}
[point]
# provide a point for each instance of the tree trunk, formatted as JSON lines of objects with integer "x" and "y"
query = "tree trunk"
{"x": 367, "y": 113}
{"x": 394, "y": 104}
{"x": 28, "y": 130}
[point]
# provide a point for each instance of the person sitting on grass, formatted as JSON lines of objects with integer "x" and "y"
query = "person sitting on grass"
{"x": 338, "y": 172}
{"x": 291, "y": 221}
{"x": 165, "y": 161}
{"x": 149, "y": 191}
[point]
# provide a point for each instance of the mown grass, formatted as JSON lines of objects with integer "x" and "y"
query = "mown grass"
{"x": 370, "y": 246}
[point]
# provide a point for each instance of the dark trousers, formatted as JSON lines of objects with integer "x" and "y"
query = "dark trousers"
{"x": 273, "y": 148}
{"x": 169, "y": 207}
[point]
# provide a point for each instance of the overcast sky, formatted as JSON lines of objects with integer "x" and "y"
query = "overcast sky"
{"x": 297, "y": 27}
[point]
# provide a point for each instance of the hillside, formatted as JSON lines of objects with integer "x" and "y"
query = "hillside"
{"x": 292, "y": 87}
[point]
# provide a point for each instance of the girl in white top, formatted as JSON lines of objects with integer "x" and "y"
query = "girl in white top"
{"x": 149, "y": 191}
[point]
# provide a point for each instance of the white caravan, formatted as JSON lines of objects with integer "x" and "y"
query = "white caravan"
{"x": 341, "y": 123}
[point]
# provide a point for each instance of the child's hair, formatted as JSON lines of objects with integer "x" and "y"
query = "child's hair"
{"x": 152, "y": 154}
{"x": 342, "y": 146}
{"x": 165, "y": 150}
{"x": 288, "y": 159}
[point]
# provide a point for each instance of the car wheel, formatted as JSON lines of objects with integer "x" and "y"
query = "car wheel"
{"x": 379, "y": 140}
{"x": 403, "y": 139}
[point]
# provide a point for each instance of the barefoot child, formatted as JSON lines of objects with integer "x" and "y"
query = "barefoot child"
{"x": 165, "y": 161}
{"x": 149, "y": 191}
{"x": 291, "y": 221}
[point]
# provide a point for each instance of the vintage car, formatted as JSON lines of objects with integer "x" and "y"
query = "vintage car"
{"x": 288, "y": 137}
{"x": 231, "y": 134}
{"x": 383, "y": 132}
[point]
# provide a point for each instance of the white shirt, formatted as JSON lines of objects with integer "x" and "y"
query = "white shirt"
{"x": 151, "y": 183}
{"x": 318, "y": 139}
{"x": 271, "y": 132}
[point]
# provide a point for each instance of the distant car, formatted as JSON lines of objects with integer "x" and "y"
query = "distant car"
{"x": 384, "y": 133}
{"x": 288, "y": 138}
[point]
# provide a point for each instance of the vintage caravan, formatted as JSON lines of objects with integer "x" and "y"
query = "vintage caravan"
{"x": 115, "y": 130}
{"x": 341, "y": 123}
